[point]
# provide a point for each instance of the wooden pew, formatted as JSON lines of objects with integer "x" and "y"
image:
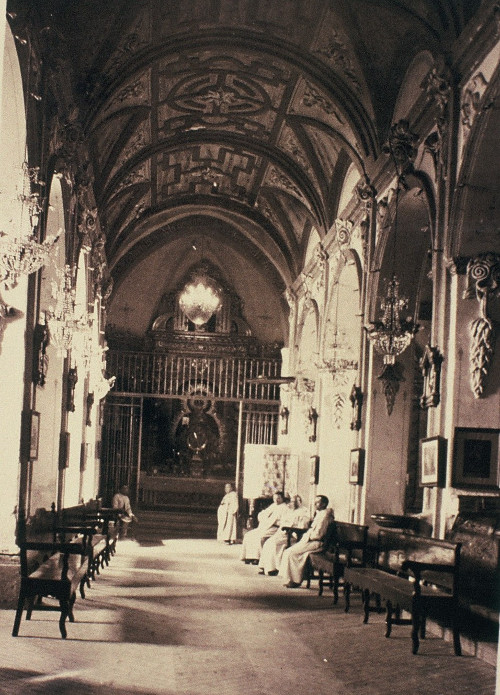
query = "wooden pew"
{"x": 52, "y": 569}
{"x": 415, "y": 574}
{"x": 347, "y": 548}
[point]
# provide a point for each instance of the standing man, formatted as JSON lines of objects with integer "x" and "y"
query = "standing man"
{"x": 121, "y": 502}
{"x": 295, "y": 558}
{"x": 226, "y": 516}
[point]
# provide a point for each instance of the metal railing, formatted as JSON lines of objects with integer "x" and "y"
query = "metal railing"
{"x": 224, "y": 378}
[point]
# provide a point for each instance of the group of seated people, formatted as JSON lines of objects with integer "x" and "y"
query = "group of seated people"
{"x": 268, "y": 544}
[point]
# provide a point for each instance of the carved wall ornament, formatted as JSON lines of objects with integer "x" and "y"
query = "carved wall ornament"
{"x": 306, "y": 290}
{"x": 391, "y": 376}
{"x": 483, "y": 282}
{"x": 70, "y": 393}
{"x": 291, "y": 300}
{"x": 313, "y": 416}
{"x": 472, "y": 98}
{"x": 437, "y": 85}
{"x": 430, "y": 366}
{"x": 343, "y": 232}
{"x": 277, "y": 178}
{"x": 401, "y": 147}
{"x": 366, "y": 192}
{"x": 321, "y": 257}
{"x": 314, "y": 98}
{"x": 90, "y": 405}
{"x": 70, "y": 137}
{"x": 433, "y": 144}
{"x": 337, "y": 53}
{"x": 40, "y": 357}
{"x": 338, "y": 404}
{"x": 382, "y": 210}
{"x": 284, "y": 415}
{"x": 356, "y": 398}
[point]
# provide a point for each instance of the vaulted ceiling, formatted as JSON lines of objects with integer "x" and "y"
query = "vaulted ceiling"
{"x": 235, "y": 119}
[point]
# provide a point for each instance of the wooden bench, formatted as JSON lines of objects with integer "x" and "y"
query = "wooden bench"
{"x": 347, "y": 547}
{"x": 52, "y": 569}
{"x": 415, "y": 574}
{"x": 83, "y": 524}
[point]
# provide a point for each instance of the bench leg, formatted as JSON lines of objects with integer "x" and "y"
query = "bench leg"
{"x": 347, "y": 596}
{"x": 321, "y": 578}
{"x": 415, "y": 625}
{"x": 456, "y": 636}
{"x": 83, "y": 581}
{"x": 19, "y": 615}
{"x": 71, "y": 603}
{"x": 388, "y": 618}
{"x": 366, "y": 604}
{"x": 335, "y": 590}
{"x": 31, "y": 605}
{"x": 65, "y": 609}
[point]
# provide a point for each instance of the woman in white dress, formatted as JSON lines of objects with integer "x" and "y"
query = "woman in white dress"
{"x": 226, "y": 516}
{"x": 296, "y": 516}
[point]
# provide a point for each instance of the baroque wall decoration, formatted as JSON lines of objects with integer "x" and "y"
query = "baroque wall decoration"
{"x": 356, "y": 398}
{"x": 430, "y": 366}
{"x": 483, "y": 282}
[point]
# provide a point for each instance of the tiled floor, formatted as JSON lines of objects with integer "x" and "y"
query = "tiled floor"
{"x": 186, "y": 617}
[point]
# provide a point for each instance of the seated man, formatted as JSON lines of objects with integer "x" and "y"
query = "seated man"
{"x": 295, "y": 558}
{"x": 295, "y": 516}
{"x": 121, "y": 501}
{"x": 269, "y": 521}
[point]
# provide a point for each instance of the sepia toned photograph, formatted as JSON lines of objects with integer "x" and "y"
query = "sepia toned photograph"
{"x": 249, "y": 355}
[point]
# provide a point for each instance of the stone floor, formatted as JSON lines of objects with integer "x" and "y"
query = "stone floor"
{"x": 186, "y": 617}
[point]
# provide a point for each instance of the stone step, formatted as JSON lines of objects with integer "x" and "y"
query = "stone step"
{"x": 155, "y": 524}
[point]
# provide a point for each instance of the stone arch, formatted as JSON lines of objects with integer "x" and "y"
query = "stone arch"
{"x": 308, "y": 340}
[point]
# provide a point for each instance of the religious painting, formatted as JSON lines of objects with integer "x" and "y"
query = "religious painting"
{"x": 356, "y": 466}
{"x": 432, "y": 461}
{"x": 475, "y": 457}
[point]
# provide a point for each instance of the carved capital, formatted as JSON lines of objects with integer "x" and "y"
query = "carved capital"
{"x": 483, "y": 276}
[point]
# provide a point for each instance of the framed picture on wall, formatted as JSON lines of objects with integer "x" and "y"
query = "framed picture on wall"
{"x": 432, "y": 461}
{"x": 356, "y": 466}
{"x": 475, "y": 457}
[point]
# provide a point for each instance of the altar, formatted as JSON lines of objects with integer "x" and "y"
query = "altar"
{"x": 167, "y": 492}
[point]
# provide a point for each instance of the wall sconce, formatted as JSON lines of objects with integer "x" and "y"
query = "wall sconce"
{"x": 313, "y": 422}
{"x": 356, "y": 398}
{"x": 284, "y": 415}
{"x": 90, "y": 405}
{"x": 72, "y": 380}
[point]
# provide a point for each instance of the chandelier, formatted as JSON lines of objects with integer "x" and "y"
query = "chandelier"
{"x": 392, "y": 334}
{"x": 200, "y": 299}
{"x": 63, "y": 320}
{"x": 23, "y": 254}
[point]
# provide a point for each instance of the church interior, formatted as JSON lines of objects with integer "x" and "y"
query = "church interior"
{"x": 253, "y": 243}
